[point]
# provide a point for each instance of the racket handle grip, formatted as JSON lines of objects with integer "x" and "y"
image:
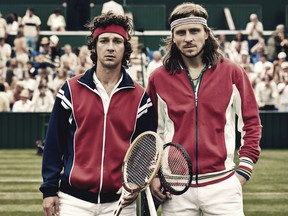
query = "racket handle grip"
{"x": 150, "y": 201}
{"x": 118, "y": 210}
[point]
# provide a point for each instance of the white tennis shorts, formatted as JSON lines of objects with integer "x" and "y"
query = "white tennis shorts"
{"x": 72, "y": 206}
{"x": 223, "y": 198}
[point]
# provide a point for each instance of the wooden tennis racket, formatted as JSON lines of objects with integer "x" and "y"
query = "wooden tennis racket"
{"x": 141, "y": 164}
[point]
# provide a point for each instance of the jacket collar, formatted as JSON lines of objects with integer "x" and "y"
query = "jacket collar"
{"x": 87, "y": 79}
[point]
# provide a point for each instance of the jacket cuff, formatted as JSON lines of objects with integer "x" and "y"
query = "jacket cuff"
{"x": 245, "y": 167}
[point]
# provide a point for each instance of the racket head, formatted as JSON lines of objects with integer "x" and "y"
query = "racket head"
{"x": 176, "y": 171}
{"x": 142, "y": 161}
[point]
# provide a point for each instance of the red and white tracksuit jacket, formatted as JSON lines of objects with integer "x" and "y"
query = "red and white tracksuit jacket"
{"x": 85, "y": 146}
{"x": 204, "y": 124}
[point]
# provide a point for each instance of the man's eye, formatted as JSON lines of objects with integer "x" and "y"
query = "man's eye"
{"x": 118, "y": 41}
{"x": 103, "y": 41}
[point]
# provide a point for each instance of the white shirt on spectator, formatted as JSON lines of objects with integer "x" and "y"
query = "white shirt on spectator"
{"x": 21, "y": 106}
{"x": 30, "y": 25}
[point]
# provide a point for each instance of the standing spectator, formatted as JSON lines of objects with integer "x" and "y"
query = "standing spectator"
{"x": 197, "y": 94}
{"x": 24, "y": 104}
{"x": 20, "y": 47}
{"x": 254, "y": 29}
{"x": 56, "y": 21}
{"x": 78, "y": 13}
{"x": 86, "y": 130}
{"x": 31, "y": 26}
{"x": 12, "y": 27}
{"x": 4, "y": 99}
{"x": 113, "y": 6}
{"x": 3, "y": 27}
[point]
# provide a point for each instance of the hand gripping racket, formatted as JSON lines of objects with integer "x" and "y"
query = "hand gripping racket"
{"x": 141, "y": 164}
{"x": 176, "y": 169}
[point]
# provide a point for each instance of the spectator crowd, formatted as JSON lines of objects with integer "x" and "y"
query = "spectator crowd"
{"x": 33, "y": 68}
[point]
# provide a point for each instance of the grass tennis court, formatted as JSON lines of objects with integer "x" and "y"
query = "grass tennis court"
{"x": 20, "y": 176}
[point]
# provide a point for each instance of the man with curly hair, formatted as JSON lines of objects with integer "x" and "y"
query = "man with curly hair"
{"x": 95, "y": 118}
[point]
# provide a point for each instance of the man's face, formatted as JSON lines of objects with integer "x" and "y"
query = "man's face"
{"x": 110, "y": 49}
{"x": 190, "y": 39}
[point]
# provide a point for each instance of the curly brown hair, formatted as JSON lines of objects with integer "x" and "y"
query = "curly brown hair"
{"x": 103, "y": 21}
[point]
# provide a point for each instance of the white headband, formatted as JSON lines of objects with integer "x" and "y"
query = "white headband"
{"x": 188, "y": 20}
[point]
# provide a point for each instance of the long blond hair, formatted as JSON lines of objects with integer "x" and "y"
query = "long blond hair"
{"x": 211, "y": 49}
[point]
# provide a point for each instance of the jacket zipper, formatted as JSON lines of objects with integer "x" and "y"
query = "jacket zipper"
{"x": 196, "y": 106}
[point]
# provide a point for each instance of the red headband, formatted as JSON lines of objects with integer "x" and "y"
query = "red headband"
{"x": 112, "y": 29}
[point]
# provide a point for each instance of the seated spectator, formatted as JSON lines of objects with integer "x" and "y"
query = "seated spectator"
{"x": 259, "y": 67}
{"x": 15, "y": 68}
{"x": 5, "y": 50}
{"x": 84, "y": 52}
{"x": 28, "y": 82}
{"x": 156, "y": 62}
{"x": 276, "y": 41}
{"x": 259, "y": 49}
{"x": 224, "y": 45}
{"x": 3, "y": 71}
{"x": 24, "y": 104}
{"x": 42, "y": 101}
{"x": 237, "y": 46}
{"x": 45, "y": 75}
{"x": 4, "y": 99}
{"x": 55, "y": 51}
{"x": 69, "y": 58}
{"x": 283, "y": 88}
{"x": 60, "y": 78}
{"x": 81, "y": 67}
{"x": 266, "y": 93}
{"x": 56, "y": 21}
{"x": 3, "y": 27}
{"x": 16, "y": 89}
{"x": 139, "y": 60}
{"x": 278, "y": 66}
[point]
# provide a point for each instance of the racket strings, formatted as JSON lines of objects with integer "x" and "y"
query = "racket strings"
{"x": 141, "y": 163}
{"x": 175, "y": 167}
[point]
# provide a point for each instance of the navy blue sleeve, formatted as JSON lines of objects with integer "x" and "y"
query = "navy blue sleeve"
{"x": 145, "y": 117}
{"x": 56, "y": 139}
